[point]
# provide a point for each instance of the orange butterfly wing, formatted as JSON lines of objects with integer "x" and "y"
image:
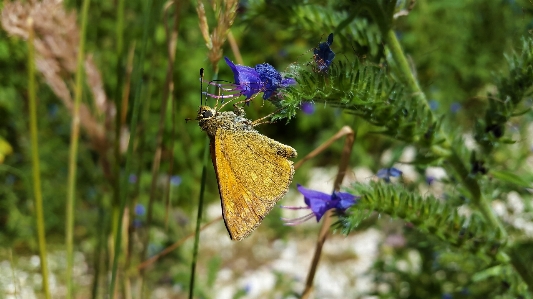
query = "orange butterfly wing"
{"x": 253, "y": 173}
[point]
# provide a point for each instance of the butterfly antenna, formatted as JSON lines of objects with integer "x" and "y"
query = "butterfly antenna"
{"x": 201, "y": 81}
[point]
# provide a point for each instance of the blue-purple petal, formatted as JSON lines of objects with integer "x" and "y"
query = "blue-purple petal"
{"x": 175, "y": 180}
{"x": 262, "y": 78}
{"x": 270, "y": 78}
{"x": 246, "y": 78}
{"x": 308, "y": 193}
{"x": 455, "y": 107}
{"x": 307, "y": 107}
{"x": 319, "y": 202}
{"x": 132, "y": 179}
{"x": 394, "y": 172}
{"x": 385, "y": 173}
{"x": 324, "y": 55}
{"x": 140, "y": 210}
{"x": 330, "y": 39}
{"x": 286, "y": 82}
{"x": 318, "y": 206}
{"x": 268, "y": 74}
{"x": 344, "y": 200}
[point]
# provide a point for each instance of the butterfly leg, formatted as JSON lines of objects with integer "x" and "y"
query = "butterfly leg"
{"x": 247, "y": 100}
{"x": 238, "y": 110}
{"x": 264, "y": 119}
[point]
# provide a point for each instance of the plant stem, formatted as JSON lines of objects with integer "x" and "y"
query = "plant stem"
{"x": 200, "y": 199}
{"x": 198, "y": 220}
{"x": 118, "y": 100}
{"x": 403, "y": 66}
{"x": 73, "y": 152}
{"x": 36, "y": 171}
{"x": 119, "y": 32}
{"x": 118, "y": 103}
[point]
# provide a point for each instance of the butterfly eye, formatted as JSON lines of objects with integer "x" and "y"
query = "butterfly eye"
{"x": 207, "y": 113}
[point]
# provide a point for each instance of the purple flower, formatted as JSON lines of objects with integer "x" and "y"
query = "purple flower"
{"x": 323, "y": 55}
{"x": 319, "y": 203}
{"x": 247, "y": 288}
{"x": 251, "y": 81}
{"x": 271, "y": 80}
{"x": 455, "y": 107}
{"x": 247, "y": 79}
{"x": 132, "y": 179}
{"x": 175, "y": 180}
{"x": 140, "y": 209}
{"x": 307, "y": 107}
{"x": 387, "y": 173}
{"x": 433, "y": 105}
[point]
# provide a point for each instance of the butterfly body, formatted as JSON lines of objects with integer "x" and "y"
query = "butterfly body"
{"x": 253, "y": 171}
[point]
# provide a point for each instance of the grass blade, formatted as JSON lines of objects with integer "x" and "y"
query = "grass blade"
{"x": 36, "y": 171}
{"x": 73, "y": 152}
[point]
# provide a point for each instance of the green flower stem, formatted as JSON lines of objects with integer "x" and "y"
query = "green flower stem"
{"x": 73, "y": 153}
{"x": 36, "y": 171}
{"x": 118, "y": 100}
{"x": 199, "y": 220}
{"x": 119, "y": 33}
{"x": 399, "y": 57}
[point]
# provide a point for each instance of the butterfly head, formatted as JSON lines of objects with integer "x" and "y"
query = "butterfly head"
{"x": 207, "y": 119}
{"x": 205, "y": 113}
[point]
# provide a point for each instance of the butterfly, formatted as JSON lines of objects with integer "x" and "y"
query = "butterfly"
{"x": 253, "y": 171}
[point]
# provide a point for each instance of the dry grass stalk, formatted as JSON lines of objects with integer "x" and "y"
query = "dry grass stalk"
{"x": 204, "y": 26}
{"x": 56, "y": 43}
{"x": 225, "y": 15}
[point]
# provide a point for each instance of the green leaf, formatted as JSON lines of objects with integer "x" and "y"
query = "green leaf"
{"x": 510, "y": 177}
{"x": 431, "y": 216}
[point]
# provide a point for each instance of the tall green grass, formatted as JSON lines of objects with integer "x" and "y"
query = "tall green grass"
{"x": 73, "y": 154}
{"x": 36, "y": 169}
{"x": 138, "y": 71}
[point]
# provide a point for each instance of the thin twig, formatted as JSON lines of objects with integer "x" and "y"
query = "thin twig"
{"x": 324, "y": 230}
{"x": 235, "y": 48}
